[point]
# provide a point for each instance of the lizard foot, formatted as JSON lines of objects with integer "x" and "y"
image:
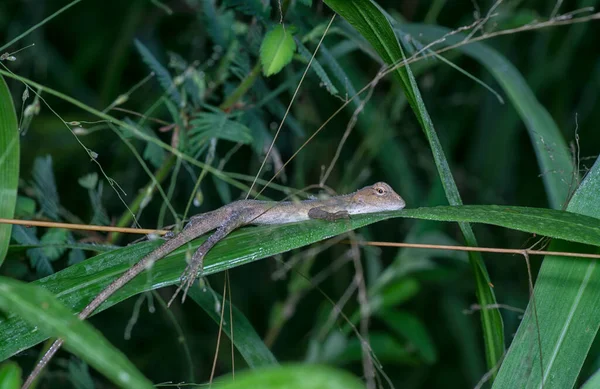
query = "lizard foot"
{"x": 188, "y": 277}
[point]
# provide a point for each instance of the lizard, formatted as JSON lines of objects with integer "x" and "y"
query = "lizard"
{"x": 378, "y": 197}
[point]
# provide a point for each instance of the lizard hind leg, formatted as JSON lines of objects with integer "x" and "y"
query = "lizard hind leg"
{"x": 196, "y": 265}
{"x": 189, "y": 275}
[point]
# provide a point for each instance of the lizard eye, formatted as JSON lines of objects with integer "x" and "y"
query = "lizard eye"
{"x": 380, "y": 190}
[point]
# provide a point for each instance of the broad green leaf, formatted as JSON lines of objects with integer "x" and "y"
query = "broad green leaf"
{"x": 292, "y": 377}
{"x": 372, "y": 24}
{"x": 41, "y": 309}
{"x": 78, "y": 284}
{"x": 566, "y": 295}
{"x": 276, "y": 50}
{"x": 246, "y": 340}
{"x": 9, "y": 164}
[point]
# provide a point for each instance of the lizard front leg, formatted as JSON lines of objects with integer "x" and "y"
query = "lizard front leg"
{"x": 196, "y": 264}
{"x": 322, "y": 214}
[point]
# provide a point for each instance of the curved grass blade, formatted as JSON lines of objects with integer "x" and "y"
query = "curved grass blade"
{"x": 9, "y": 164}
{"x": 39, "y": 307}
{"x": 368, "y": 19}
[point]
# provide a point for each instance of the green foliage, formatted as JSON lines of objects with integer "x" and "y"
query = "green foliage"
{"x": 506, "y": 122}
{"x": 36, "y": 305}
{"x": 206, "y": 126}
{"x": 44, "y": 186}
{"x": 277, "y": 49}
{"x": 162, "y": 74}
{"x": 9, "y": 163}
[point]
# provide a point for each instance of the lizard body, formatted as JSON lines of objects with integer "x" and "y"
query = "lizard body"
{"x": 378, "y": 197}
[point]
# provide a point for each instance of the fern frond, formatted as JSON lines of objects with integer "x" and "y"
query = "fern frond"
{"x": 217, "y": 125}
{"x": 162, "y": 74}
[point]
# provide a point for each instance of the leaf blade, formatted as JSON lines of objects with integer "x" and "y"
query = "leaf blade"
{"x": 37, "y": 305}
{"x": 9, "y": 164}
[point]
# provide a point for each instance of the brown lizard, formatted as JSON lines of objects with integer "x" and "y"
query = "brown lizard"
{"x": 378, "y": 197}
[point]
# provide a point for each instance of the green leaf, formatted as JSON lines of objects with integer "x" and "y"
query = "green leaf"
{"x": 37, "y": 256}
{"x": 9, "y": 164}
{"x": 566, "y": 302}
{"x": 41, "y": 309}
{"x": 10, "y": 376}
{"x": 292, "y": 377}
{"x": 246, "y": 340}
{"x": 53, "y": 241}
{"x": 45, "y": 186}
{"x": 541, "y": 221}
{"x": 276, "y": 50}
{"x": 366, "y": 17}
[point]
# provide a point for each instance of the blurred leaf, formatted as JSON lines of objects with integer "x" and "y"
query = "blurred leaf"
{"x": 152, "y": 152}
{"x": 10, "y": 375}
{"x": 410, "y": 327}
{"x": 37, "y": 256}
{"x": 318, "y": 69}
{"x": 277, "y": 49}
{"x": 52, "y": 242}
{"x": 25, "y": 208}
{"x": 9, "y": 164}
{"x": 215, "y": 23}
{"x": 260, "y": 9}
{"x": 566, "y": 309}
{"x": 394, "y": 294}
{"x": 100, "y": 216}
{"x": 384, "y": 346}
{"x": 217, "y": 125}
{"x": 366, "y": 17}
{"x": 162, "y": 74}
{"x": 246, "y": 340}
{"x": 40, "y": 308}
{"x": 44, "y": 185}
{"x": 292, "y": 377}
{"x": 79, "y": 373}
{"x": 88, "y": 181}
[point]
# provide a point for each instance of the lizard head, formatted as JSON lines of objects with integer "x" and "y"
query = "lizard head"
{"x": 376, "y": 198}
